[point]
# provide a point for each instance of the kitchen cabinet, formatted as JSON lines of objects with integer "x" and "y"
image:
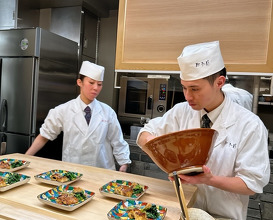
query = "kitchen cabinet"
{"x": 152, "y": 34}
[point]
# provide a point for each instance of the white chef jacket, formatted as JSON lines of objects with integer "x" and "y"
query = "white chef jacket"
{"x": 240, "y": 150}
{"x": 94, "y": 145}
{"x": 240, "y": 96}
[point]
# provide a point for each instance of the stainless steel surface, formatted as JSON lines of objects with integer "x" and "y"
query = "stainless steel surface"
{"x": 144, "y": 98}
{"x": 8, "y": 14}
{"x": 28, "y": 16}
{"x": 90, "y": 35}
{"x": 17, "y": 88}
{"x": 58, "y": 49}
{"x": 66, "y": 22}
{"x": 99, "y": 7}
{"x": 15, "y": 142}
{"x": 256, "y": 89}
{"x": 11, "y": 40}
{"x": 36, "y": 75}
{"x": 135, "y": 99}
{"x": 38, "y": 43}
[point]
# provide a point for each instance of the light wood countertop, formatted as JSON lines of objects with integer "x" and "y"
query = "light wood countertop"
{"x": 23, "y": 199}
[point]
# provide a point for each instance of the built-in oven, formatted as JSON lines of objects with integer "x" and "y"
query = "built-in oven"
{"x": 143, "y": 98}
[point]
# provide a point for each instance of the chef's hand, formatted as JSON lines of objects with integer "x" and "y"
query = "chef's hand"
{"x": 123, "y": 168}
{"x": 202, "y": 178}
{"x": 230, "y": 184}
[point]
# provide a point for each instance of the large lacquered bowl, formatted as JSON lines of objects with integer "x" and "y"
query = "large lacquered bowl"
{"x": 183, "y": 151}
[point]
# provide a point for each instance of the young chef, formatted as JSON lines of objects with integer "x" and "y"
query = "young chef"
{"x": 94, "y": 144}
{"x": 239, "y": 163}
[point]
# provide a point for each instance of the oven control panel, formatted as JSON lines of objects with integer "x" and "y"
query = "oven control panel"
{"x": 162, "y": 91}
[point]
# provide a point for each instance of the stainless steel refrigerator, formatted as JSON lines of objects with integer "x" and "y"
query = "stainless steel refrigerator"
{"x": 38, "y": 71}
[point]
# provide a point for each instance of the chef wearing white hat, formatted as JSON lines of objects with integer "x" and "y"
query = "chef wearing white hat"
{"x": 91, "y": 132}
{"x": 200, "y": 60}
{"x": 239, "y": 164}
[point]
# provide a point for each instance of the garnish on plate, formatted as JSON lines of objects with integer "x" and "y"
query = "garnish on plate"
{"x": 148, "y": 212}
{"x": 69, "y": 198}
{"x": 9, "y": 179}
{"x": 8, "y": 164}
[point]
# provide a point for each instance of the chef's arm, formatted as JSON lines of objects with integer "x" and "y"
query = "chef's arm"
{"x": 37, "y": 145}
{"x": 143, "y": 138}
{"x": 230, "y": 184}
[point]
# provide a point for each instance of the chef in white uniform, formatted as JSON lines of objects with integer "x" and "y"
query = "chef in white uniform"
{"x": 94, "y": 144}
{"x": 239, "y": 164}
{"x": 238, "y": 95}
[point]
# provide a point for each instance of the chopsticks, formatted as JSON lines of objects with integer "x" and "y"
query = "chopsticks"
{"x": 180, "y": 194}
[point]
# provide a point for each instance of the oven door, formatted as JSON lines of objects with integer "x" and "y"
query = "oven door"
{"x": 136, "y": 97}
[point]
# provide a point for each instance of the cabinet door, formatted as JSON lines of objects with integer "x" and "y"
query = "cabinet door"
{"x": 152, "y": 34}
{"x": 17, "y": 88}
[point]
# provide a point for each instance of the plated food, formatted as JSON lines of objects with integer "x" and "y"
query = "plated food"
{"x": 58, "y": 177}
{"x": 132, "y": 209}
{"x": 11, "y": 165}
{"x": 66, "y": 197}
{"x": 122, "y": 189}
{"x": 9, "y": 180}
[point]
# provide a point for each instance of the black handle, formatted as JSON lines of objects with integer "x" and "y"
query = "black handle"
{"x": 150, "y": 102}
{"x": 4, "y": 115}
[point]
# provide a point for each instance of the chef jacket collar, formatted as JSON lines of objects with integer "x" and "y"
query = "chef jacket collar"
{"x": 83, "y": 105}
{"x": 213, "y": 115}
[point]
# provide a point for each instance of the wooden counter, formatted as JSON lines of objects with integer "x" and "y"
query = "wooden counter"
{"x": 23, "y": 199}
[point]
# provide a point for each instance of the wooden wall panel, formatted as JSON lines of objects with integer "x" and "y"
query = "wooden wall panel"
{"x": 152, "y": 33}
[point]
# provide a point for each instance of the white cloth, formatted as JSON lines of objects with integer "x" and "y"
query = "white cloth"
{"x": 240, "y": 96}
{"x": 92, "y": 145}
{"x": 92, "y": 70}
{"x": 198, "y": 61}
{"x": 240, "y": 150}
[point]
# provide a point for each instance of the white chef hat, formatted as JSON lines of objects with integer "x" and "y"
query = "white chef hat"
{"x": 92, "y": 70}
{"x": 198, "y": 61}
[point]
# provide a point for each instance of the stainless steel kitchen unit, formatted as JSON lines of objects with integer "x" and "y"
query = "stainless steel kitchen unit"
{"x": 38, "y": 71}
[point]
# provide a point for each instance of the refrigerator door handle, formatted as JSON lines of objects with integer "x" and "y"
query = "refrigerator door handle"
{"x": 3, "y": 146}
{"x": 4, "y": 115}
